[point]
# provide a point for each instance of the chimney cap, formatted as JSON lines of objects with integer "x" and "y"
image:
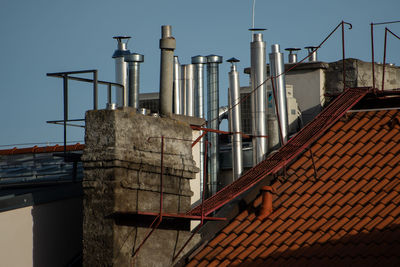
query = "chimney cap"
{"x": 290, "y": 49}
{"x": 311, "y": 47}
{"x": 233, "y": 60}
{"x": 257, "y": 29}
{"x": 134, "y": 57}
{"x": 214, "y": 59}
{"x": 121, "y": 37}
{"x": 199, "y": 59}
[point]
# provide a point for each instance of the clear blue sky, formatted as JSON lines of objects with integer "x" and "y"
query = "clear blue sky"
{"x": 44, "y": 36}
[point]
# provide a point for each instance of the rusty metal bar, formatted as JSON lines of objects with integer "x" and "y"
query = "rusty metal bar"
{"x": 160, "y": 216}
{"x": 277, "y": 111}
{"x": 202, "y": 204}
{"x": 161, "y": 177}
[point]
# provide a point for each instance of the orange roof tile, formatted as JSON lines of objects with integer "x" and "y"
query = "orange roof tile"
{"x": 347, "y": 214}
{"x": 43, "y": 149}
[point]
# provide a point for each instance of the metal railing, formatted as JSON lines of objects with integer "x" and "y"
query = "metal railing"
{"x": 67, "y": 76}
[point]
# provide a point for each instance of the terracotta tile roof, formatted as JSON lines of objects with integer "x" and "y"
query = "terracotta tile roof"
{"x": 346, "y": 212}
{"x": 43, "y": 149}
{"x": 276, "y": 161}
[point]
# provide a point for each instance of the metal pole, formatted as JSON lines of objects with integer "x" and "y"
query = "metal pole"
{"x": 258, "y": 77}
{"x": 277, "y": 68}
{"x": 344, "y": 57}
{"x": 177, "y": 86}
{"x": 65, "y": 87}
{"x": 109, "y": 94}
{"x": 373, "y": 57}
{"x": 95, "y": 90}
{"x": 235, "y": 121}
{"x": 134, "y": 61}
{"x": 167, "y": 46}
{"x": 121, "y": 67}
{"x": 212, "y": 117}
{"x": 384, "y": 60}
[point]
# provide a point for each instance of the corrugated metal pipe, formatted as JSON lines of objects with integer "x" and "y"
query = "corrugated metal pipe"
{"x": 259, "y": 97}
{"x": 277, "y": 68}
{"x": 167, "y": 46}
{"x": 134, "y": 61}
{"x": 121, "y": 68}
{"x": 235, "y": 120}
{"x": 212, "y": 118}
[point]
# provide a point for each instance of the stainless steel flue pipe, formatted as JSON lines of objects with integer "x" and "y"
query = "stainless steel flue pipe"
{"x": 235, "y": 120}
{"x": 134, "y": 61}
{"x": 121, "y": 68}
{"x": 178, "y": 107}
{"x": 198, "y": 62}
{"x": 167, "y": 46}
{"x": 259, "y": 97}
{"x": 212, "y": 118}
{"x": 277, "y": 68}
{"x": 188, "y": 87}
{"x": 292, "y": 54}
{"x": 312, "y": 51}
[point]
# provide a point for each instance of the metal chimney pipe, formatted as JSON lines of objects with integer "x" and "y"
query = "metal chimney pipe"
{"x": 121, "y": 68}
{"x": 313, "y": 51}
{"x": 199, "y": 62}
{"x": 134, "y": 61}
{"x": 178, "y": 108}
{"x": 259, "y": 97}
{"x": 235, "y": 121}
{"x": 188, "y": 85}
{"x": 292, "y": 54}
{"x": 212, "y": 118}
{"x": 277, "y": 68}
{"x": 167, "y": 46}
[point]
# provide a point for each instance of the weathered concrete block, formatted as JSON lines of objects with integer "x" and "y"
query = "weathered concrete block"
{"x": 122, "y": 175}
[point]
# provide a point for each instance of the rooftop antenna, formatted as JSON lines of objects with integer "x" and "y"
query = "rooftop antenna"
{"x": 254, "y": 5}
{"x": 253, "y": 29}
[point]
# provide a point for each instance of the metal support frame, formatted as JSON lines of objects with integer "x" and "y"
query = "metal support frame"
{"x": 159, "y": 216}
{"x": 384, "y": 55}
{"x": 67, "y": 76}
{"x": 202, "y": 202}
{"x": 373, "y": 50}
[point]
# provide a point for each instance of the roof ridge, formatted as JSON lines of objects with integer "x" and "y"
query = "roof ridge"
{"x": 295, "y": 146}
